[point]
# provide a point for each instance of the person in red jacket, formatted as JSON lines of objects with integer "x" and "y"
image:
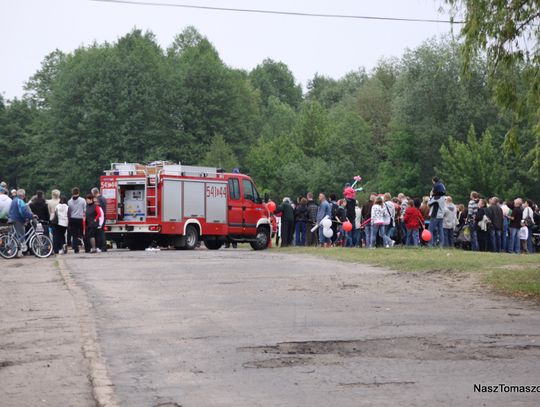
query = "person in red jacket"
{"x": 413, "y": 220}
{"x": 101, "y": 243}
{"x": 94, "y": 222}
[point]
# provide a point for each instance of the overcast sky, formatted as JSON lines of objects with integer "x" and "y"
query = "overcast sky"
{"x": 30, "y": 29}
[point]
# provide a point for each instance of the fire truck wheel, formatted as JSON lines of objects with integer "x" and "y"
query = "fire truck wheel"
{"x": 262, "y": 238}
{"x": 213, "y": 244}
{"x": 192, "y": 237}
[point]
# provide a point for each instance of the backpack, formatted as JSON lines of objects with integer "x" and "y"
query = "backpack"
{"x": 335, "y": 207}
{"x": 392, "y": 224}
{"x": 54, "y": 220}
{"x": 529, "y": 220}
{"x": 341, "y": 214}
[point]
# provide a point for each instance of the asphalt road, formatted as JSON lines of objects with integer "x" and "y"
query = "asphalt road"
{"x": 243, "y": 328}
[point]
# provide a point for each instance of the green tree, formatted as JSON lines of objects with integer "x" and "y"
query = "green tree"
{"x": 329, "y": 92}
{"x": 279, "y": 119}
{"x": 473, "y": 165}
{"x": 508, "y": 33}
{"x": 432, "y": 101}
{"x": 220, "y": 154}
{"x": 190, "y": 37}
{"x": 401, "y": 171}
{"x": 352, "y": 140}
{"x": 16, "y": 135}
{"x": 273, "y": 78}
{"x": 278, "y": 166}
{"x": 104, "y": 104}
{"x": 207, "y": 98}
{"x": 40, "y": 84}
{"x": 312, "y": 132}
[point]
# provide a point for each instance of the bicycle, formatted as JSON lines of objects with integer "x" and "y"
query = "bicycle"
{"x": 40, "y": 245}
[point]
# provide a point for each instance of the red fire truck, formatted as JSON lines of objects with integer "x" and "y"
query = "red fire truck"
{"x": 177, "y": 205}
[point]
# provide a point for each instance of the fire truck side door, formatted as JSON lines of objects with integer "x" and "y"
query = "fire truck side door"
{"x": 235, "y": 207}
{"x": 109, "y": 191}
{"x": 251, "y": 209}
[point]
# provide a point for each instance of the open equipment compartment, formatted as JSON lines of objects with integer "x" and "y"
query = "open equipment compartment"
{"x": 132, "y": 200}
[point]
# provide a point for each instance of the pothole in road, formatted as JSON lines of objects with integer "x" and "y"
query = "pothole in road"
{"x": 6, "y": 363}
{"x": 412, "y": 347}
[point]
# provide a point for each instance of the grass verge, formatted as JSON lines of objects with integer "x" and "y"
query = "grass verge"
{"x": 514, "y": 274}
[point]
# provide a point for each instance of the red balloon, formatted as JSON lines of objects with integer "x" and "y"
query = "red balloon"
{"x": 426, "y": 235}
{"x": 271, "y": 206}
{"x": 347, "y": 226}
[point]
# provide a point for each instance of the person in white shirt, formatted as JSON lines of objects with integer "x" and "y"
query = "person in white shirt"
{"x": 377, "y": 224}
{"x": 60, "y": 222}
{"x": 5, "y": 204}
{"x": 389, "y": 217}
{"x": 523, "y": 237}
{"x": 528, "y": 219}
{"x": 51, "y": 203}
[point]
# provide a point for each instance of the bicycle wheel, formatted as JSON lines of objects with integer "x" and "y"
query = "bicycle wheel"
{"x": 8, "y": 246}
{"x": 41, "y": 246}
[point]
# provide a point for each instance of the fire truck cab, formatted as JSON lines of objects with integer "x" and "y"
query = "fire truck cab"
{"x": 177, "y": 205}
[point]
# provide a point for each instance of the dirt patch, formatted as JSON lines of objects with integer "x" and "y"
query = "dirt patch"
{"x": 412, "y": 347}
{"x": 376, "y": 384}
{"x": 14, "y": 265}
{"x": 349, "y": 286}
{"x": 277, "y": 362}
{"x": 441, "y": 274}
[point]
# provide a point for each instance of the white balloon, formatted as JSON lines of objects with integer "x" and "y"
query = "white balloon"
{"x": 328, "y": 233}
{"x": 326, "y": 223}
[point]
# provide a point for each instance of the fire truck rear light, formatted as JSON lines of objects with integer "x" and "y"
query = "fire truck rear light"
{"x": 107, "y": 228}
{"x": 156, "y": 228}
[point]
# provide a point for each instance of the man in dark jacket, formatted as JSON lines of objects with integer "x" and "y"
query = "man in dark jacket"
{"x": 515, "y": 225}
{"x": 350, "y": 209}
{"x": 300, "y": 222}
{"x": 287, "y": 222}
{"x": 495, "y": 215}
{"x": 39, "y": 207}
{"x": 312, "y": 207}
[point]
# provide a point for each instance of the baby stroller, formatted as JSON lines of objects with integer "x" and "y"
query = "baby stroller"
{"x": 462, "y": 237}
{"x": 536, "y": 237}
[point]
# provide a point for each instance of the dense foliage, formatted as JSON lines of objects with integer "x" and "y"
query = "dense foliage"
{"x": 396, "y": 125}
{"x": 507, "y": 35}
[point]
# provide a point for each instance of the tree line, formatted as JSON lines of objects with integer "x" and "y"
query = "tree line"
{"x": 396, "y": 125}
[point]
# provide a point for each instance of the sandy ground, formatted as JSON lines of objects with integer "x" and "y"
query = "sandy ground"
{"x": 244, "y": 328}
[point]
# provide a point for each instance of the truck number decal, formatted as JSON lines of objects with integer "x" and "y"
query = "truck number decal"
{"x": 213, "y": 191}
{"x": 105, "y": 184}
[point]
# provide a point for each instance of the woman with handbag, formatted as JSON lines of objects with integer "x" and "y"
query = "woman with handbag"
{"x": 528, "y": 219}
{"x": 60, "y": 224}
{"x": 482, "y": 224}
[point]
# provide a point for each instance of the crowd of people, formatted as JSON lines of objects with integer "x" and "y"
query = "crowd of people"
{"x": 72, "y": 222}
{"x": 493, "y": 224}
